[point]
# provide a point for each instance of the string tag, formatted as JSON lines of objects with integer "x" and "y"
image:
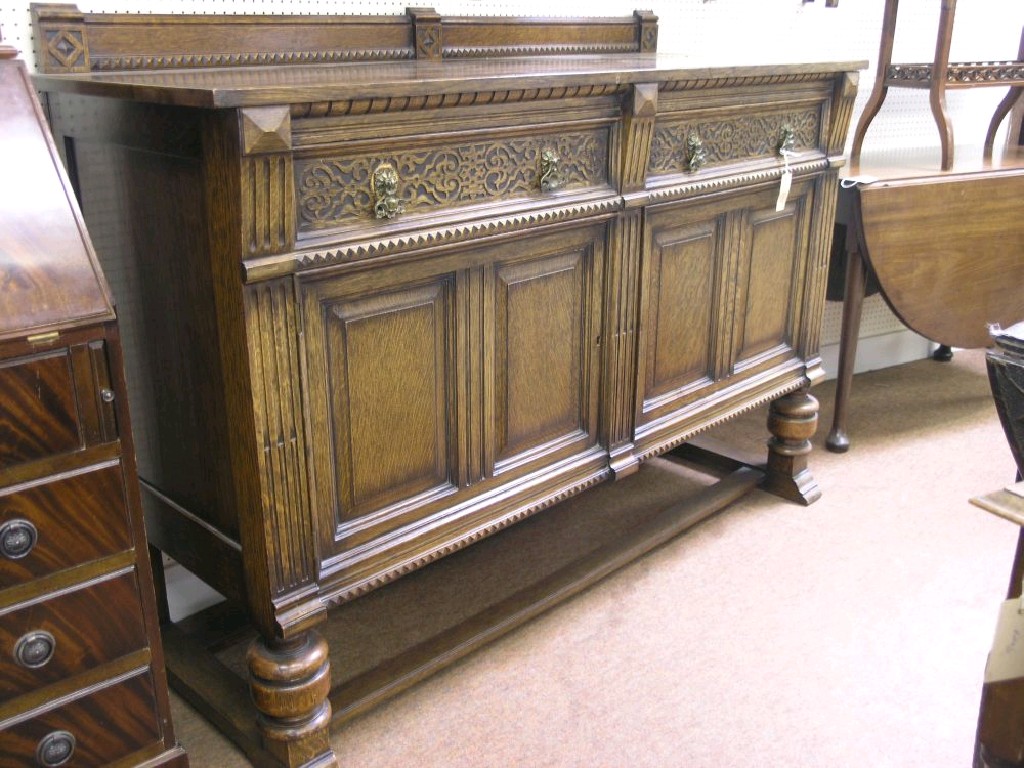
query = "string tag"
{"x": 785, "y": 182}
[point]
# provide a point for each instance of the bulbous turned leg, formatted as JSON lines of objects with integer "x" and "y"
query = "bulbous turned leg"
{"x": 290, "y": 681}
{"x": 792, "y": 420}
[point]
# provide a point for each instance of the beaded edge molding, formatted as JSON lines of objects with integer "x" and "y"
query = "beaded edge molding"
{"x": 660, "y": 448}
{"x": 345, "y": 594}
{"x": 689, "y": 188}
{"x": 445, "y": 235}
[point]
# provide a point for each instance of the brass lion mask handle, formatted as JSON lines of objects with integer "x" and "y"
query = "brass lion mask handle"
{"x": 384, "y": 186}
{"x": 551, "y": 177}
{"x": 787, "y": 140}
{"x": 696, "y": 155}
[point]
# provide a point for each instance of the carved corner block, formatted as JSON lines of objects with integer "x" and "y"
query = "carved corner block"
{"x": 427, "y": 24}
{"x": 266, "y": 130}
{"x": 647, "y": 23}
{"x": 63, "y": 40}
{"x": 638, "y": 130}
{"x": 844, "y": 96}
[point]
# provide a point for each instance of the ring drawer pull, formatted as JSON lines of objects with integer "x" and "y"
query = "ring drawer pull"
{"x": 35, "y": 649}
{"x": 696, "y": 155}
{"x": 384, "y": 186}
{"x": 787, "y": 140}
{"x": 17, "y": 538}
{"x": 551, "y": 177}
{"x": 56, "y": 748}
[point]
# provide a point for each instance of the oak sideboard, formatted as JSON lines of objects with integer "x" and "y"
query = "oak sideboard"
{"x": 393, "y": 283}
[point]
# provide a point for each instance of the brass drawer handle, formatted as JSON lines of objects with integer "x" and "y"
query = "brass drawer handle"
{"x": 17, "y": 538}
{"x": 787, "y": 141}
{"x": 35, "y": 649}
{"x": 696, "y": 155}
{"x": 55, "y": 748}
{"x": 551, "y": 177}
{"x": 384, "y": 186}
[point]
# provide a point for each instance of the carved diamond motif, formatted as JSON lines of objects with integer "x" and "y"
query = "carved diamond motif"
{"x": 67, "y": 47}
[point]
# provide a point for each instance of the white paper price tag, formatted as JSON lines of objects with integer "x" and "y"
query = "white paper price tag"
{"x": 784, "y": 184}
{"x": 1006, "y": 659}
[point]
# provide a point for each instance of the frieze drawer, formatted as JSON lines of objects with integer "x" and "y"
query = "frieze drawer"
{"x": 44, "y": 642}
{"x": 49, "y": 526}
{"x": 692, "y": 140}
{"x": 89, "y": 732}
{"x": 378, "y": 184}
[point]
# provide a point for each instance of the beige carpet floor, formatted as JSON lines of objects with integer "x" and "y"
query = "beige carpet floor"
{"x": 849, "y": 633}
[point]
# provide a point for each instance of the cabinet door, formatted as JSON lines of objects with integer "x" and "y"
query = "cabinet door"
{"x": 436, "y": 385}
{"x": 383, "y": 377}
{"x": 542, "y": 364}
{"x": 721, "y": 303}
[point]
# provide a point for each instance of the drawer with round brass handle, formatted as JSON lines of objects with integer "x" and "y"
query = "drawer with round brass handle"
{"x": 98, "y": 727}
{"x": 57, "y": 524}
{"x": 45, "y": 641}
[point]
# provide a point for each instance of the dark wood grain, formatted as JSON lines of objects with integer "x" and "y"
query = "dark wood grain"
{"x": 90, "y": 626}
{"x": 108, "y": 724}
{"x": 65, "y": 287}
{"x": 80, "y": 517}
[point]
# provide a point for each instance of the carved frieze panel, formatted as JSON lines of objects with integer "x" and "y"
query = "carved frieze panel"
{"x": 730, "y": 139}
{"x": 336, "y": 191}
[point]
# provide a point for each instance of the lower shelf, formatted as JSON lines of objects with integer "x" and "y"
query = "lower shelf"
{"x": 388, "y": 640}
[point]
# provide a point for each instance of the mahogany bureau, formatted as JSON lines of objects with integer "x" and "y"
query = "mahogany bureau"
{"x": 82, "y": 678}
{"x": 392, "y": 283}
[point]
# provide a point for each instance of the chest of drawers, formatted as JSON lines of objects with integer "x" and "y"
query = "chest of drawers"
{"x": 395, "y": 283}
{"x": 81, "y": 666}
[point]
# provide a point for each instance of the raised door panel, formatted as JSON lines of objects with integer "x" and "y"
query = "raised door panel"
{"x": 772, "y": 265}
{"x": 543, "y": 371}
{"x": 682, "y": 284}
{"x": 382, "y": 381}
{"x": 686, "y": 290}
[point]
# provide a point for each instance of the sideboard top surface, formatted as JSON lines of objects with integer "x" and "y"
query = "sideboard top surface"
{"x": 297, "y": 83}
